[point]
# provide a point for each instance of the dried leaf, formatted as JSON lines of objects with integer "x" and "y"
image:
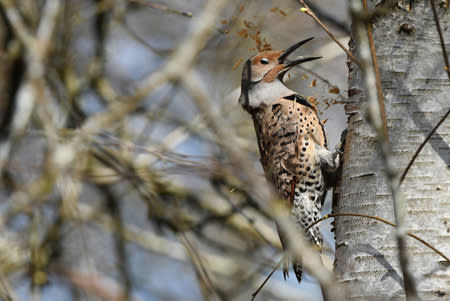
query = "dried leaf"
{"x": 334, "y": 90}
{"x": 238, "y": 62}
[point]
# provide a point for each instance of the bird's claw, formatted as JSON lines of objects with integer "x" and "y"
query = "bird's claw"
{"x": 340, "y": 147}
{"x": 285, "y": 265}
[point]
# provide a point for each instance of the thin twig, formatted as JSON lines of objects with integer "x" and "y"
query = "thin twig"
{"x": 411, "y": 162}
{"x": 267, "y": 279}
{"x": 377, "y": 73}
{"x": 441, "y": 38}
{"x": 139, "y": 39}
{"x": 163, "y": 7}
{"x": 310, "y": 13}
{"x": 323, "y": 14}
{"x": 198, "y": 264}
{"x": 377, "y": 218}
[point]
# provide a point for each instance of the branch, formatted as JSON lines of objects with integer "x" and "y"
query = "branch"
{"x": 310, "y": 13}
{"x": 411, "y": 162}
{"x": 163, "y": 7}
{"x": 377, "y": 218}
{"x": 18, "y": 24}
{"x": 377, "y": 73}
{"x": 441, "y": 37}
{"x": 323, "y": 15}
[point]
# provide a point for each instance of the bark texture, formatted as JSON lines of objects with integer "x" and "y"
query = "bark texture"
{"x": 417, "y": 95}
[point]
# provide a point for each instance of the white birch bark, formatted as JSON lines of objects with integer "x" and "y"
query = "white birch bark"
{"x": 417, "y": 95}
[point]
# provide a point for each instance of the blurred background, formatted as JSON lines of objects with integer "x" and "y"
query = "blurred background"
{"x": 150, "y": 208}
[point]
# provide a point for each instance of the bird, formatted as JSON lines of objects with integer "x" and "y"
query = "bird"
{"x": 291, "y": 139}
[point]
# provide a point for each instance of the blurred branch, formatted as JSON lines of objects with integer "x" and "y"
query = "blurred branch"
{"x": 206, "y": 283}
{"x": 94, "y": 284}
{"x": 33, "y": 87}
{"x": 139, "y": 39}
{"x": 242, "y": 206}
{"x": 158, "y": 244}
{"x": 18, "y": 23}
{"x": 377, "y": 74}
{"x": 177, "y": 65}
{"x": 5, "y": 289}
{"x": 114, "y": 207}
{"x": 255, "y": 293}
{"x": 162, "y": 7}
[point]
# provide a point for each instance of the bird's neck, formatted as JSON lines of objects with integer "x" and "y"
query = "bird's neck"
{"x": 262, "y": 94}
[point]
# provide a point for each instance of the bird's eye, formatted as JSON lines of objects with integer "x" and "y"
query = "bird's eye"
{"x": 264, "y": 61}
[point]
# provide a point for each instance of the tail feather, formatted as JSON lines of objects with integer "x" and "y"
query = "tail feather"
{"x": 298, "y": 270}
{"x": 316, "y": 238}
{"x": 296, "y": 266}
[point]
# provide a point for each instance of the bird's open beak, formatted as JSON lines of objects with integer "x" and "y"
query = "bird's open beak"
{"x": 289, "y": 64}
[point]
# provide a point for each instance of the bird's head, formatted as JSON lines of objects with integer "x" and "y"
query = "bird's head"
{"x": 263, "y": 74}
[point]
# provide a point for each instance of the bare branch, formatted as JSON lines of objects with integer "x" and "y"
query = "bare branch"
{"x": 310, "y": 13}
{"x": 163, "y": 7}
{"x": 377, "y": 218}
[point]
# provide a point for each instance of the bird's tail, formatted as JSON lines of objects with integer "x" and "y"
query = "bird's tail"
{"x": 315, "y": 236}
{"x": 298, "y": 270}
{"x": 296, "y": 266}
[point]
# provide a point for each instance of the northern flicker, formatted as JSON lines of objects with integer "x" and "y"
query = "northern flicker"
{"x": 291, "y": 139}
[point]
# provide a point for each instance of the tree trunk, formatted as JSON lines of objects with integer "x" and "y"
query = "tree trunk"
{"x": 417, "y": 95}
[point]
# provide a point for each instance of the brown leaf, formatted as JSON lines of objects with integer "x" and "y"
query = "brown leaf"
{"x": 334, "y": 90}
{"x": 238, "y": 62}
{"x": 243, "y": 33}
